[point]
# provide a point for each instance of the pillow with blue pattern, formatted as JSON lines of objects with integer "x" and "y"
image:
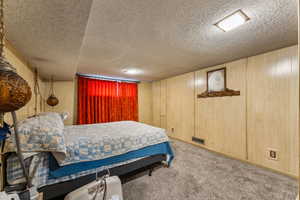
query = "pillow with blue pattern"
{"x": 43, "y": 133}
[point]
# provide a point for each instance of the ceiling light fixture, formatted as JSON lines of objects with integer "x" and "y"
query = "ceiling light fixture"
{"x": 131, "y": 71}
{"x": 232, "y": 21}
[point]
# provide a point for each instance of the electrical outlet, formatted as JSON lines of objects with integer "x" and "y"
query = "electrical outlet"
{"x": 273, "y": 154}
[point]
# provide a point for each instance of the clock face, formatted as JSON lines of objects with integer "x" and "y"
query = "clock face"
{"x": 216, "y": 81}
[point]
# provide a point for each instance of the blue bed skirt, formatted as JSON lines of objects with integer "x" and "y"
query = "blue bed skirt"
{"x": 56, "y": 171}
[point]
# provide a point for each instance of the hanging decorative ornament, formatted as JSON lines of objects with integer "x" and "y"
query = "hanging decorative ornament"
{"x": 14, "y": 90}
{"x": 52, "y": 100}
{"x": 14, "y": 94}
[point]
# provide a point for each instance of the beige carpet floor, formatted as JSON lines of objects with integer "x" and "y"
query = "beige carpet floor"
{"x": 197, "y": 174}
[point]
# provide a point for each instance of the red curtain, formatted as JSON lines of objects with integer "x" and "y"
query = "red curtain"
{"x": 128, "y": 101}
{"x": 102, "y": 101}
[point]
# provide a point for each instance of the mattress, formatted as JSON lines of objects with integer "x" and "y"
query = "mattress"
{"x": 41, "y": 177}
{"x": 89, "y": 144}
{"x": 57, "y": 171}
{"x": 99, "y": 141}
{"x": 40, "y": 166}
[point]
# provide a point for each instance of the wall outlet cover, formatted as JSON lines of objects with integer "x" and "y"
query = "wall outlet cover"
{"x": 272, "y": 154}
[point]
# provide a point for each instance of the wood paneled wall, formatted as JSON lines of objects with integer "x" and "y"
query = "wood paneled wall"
{"x": 156, "y": 103}
{"x": 159, "y": 98}
{"x": 145, "y": 102}
{"x": 163, "y": 104}
{"x": 221, "y": 121}
{"x": 173, "y": 102}
{"x": 263, "y": 117}
{"x": 180, "y": 106}
{"x": 272, "y": 109}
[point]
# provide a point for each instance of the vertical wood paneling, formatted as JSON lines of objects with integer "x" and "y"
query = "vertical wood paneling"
{"x": 294, "y": 107}
{"x": 145, "y": 102}
{"x": 180, "y": 106}
{"x": 264, "y": 116}
{"x": 221, "y": 121}
{"x": 163, "y": 104}
{"x": 156, "y": 103}
{"x": 273, "y": 108}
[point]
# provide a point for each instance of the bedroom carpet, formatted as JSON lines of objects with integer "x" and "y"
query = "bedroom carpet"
{"x": 197, "y": 174}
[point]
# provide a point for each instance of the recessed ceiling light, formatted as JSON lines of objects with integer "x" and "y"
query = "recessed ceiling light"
{"x": 233, "y": 21}
{"x": 131, "y": 71}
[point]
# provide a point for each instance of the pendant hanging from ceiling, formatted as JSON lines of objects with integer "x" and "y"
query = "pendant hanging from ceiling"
{"x": 14, "y": 90}
{"x": 52, "y": 99}
{"x": 14, "y": 93}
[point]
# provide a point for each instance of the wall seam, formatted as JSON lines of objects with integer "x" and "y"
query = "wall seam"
{"x": 246, "y": 109}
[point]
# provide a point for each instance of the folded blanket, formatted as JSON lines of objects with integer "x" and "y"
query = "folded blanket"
{"x": 43, "y": 133}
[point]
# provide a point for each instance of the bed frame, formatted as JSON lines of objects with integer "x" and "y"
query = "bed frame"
{"x": 126, "y": 173}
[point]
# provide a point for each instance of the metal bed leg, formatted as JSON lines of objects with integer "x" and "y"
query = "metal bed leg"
{"x": 19, "y": 153}
{"x": 150, "y": 171}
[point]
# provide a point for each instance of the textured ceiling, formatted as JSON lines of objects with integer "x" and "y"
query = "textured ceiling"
{"x": 162, "y": 38}
{"x": 48, "y": 33}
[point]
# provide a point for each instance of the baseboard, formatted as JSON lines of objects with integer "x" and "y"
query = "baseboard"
{"x": 239, "y": 159}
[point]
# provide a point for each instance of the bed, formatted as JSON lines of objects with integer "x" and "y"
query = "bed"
{"x": 78, "y": 154}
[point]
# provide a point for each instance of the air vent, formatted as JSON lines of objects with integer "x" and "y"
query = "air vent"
{"x": 198, "y": 140}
